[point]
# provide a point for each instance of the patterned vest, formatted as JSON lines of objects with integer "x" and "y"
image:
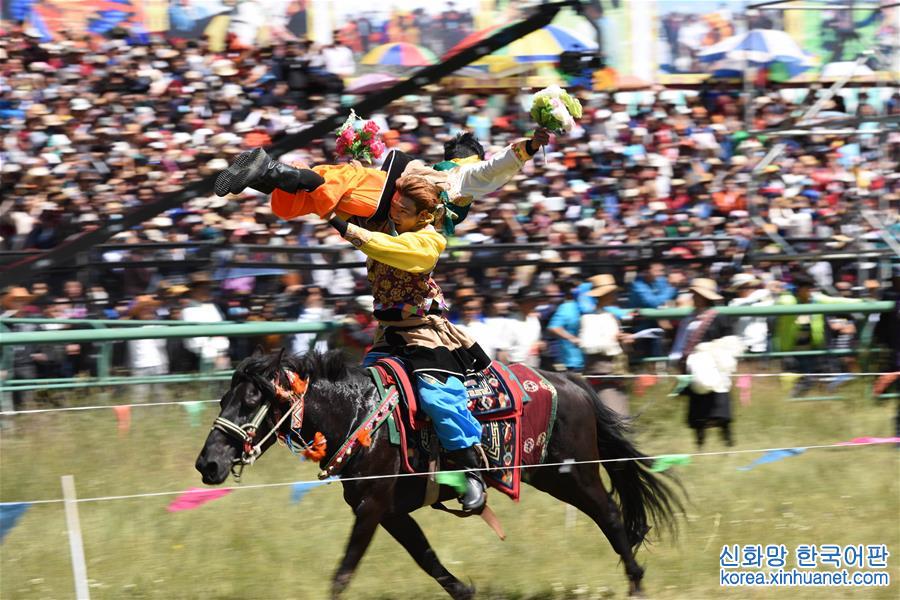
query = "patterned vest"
{"x": 400, "y": 294}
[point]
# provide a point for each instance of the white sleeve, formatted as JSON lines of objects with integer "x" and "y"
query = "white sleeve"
{"x": 481, "y": 178}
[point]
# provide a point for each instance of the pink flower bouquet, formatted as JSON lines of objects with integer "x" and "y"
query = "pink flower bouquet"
{"x": 358, "y": 139}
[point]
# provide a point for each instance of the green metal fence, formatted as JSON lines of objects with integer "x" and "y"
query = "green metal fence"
{"x": 104, "y": 337}
{"x": 104, "y": 333}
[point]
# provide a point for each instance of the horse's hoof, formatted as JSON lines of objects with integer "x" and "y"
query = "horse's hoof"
{"x": 464, "y": 593}
{"x": 635, "y": 592}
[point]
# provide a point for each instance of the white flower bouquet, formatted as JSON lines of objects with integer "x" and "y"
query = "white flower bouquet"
{"x": 555, "y": 109}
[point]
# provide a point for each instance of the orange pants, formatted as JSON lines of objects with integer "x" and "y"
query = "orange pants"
{"x": 349, "y": 189}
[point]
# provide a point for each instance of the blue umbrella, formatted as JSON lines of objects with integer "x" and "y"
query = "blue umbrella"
{"x": 729, "y": 68}
{"x": 757, "y": 47}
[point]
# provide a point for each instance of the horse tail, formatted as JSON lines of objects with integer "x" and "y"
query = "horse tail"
{"x": 644, "y": 497}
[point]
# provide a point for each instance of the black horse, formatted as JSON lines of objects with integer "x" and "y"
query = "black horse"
{"x": 339, "y": 396}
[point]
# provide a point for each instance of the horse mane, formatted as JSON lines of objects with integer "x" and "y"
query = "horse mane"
{"x": 329, "y": 366}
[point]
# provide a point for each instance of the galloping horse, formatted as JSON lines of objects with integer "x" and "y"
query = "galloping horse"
{"x": 336, "y": 399}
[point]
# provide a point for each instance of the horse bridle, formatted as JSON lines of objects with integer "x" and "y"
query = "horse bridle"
{"x": 246, "y": 433}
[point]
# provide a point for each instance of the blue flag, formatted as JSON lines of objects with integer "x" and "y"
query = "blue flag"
{"x": 300, "y": 489}
{"x": 773, "y": 456}
{"x": 10, "y": 513}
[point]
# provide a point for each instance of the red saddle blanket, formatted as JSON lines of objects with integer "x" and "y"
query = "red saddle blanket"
{"x": 515, "y": 404}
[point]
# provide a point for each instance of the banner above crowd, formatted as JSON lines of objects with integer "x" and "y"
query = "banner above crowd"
{"x": 682, "y": 29}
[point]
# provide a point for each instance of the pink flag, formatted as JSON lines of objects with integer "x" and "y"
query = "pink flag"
{"x": 870, "y": 440}
{"x": 744, "y": 383}
{"x": 643, "y": 382}
{"x": 196, "y": 497}
{"x": 123, "y": 414}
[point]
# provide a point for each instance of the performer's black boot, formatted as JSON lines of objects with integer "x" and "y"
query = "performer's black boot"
{"x": 474, "y": 498}
{"x": 256, "y": 169}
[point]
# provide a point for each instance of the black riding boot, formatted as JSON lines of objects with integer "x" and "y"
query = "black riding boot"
{"x": 470, "y": 458}
{"x": 258, "y": 170}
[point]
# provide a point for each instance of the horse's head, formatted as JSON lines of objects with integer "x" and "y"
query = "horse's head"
{"x": 263, "y": 395}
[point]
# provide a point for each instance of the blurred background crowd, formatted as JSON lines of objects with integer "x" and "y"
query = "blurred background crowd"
{"x": 93, "y": 127}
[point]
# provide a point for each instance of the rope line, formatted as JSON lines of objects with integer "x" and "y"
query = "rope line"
{"x": 565, "y": 463}
{"x": 776, "y": 374}
{"x": 10, "y": 413}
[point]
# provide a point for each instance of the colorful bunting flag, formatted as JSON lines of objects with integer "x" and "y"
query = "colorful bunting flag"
{"x": 123, "y": 415}
{"x": 643, "y": 382}
{"x": 884, "y": 382}
{"x": 681, "y": 384}
{"x": 744, "y": 384}
{"x": 10, "y": 513}
{"x": 196, "y": 497}
{"x": 773, "y": 456}
{"x": 301, "y": 488}
{"x": 455, "y": 480}
{"x": 789, "y": 380}
{"x": 194, "y": 411}
{"x": 871, "y": 440}
{"x": 664, "y": 463}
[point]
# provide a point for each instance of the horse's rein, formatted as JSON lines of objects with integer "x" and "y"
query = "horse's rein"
{"x": 246, "y": 433}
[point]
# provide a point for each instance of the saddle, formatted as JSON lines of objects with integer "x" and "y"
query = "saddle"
{"x": 499, "y": 397}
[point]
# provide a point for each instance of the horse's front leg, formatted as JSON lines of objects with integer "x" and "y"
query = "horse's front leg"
{"x": 406, "y": 531}
{"x": 369, "y": 513}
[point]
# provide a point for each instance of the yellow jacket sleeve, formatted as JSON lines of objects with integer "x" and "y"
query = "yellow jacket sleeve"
{"x": 413, "y": 251}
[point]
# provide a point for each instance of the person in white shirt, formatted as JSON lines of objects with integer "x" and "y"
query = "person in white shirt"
{"x": 526, "y": 344}
{"x": 146, "y": 357}
{"x": 753, "y": 331}
{"x": 314, "y": 311}
{"x": 499, "y": 328}
{"x": 246, "y": 20}
{"x": 472, "y": 322}
{"x": 212, "y": 351}
{"x": 339, "y": 58}
{"x": 601, "y": 338}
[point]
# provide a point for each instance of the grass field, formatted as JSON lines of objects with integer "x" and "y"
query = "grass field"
{"x": 255, "y": 543}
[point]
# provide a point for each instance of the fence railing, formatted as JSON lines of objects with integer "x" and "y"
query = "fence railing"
{"x": 105, "y": 332}
{"x": 161, "y": 332}
{"x": 104, "y": 337}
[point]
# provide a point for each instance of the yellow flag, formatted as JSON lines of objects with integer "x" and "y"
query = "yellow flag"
{"x": 788, "y": 380}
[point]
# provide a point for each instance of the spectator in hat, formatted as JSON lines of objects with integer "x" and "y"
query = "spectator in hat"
{"x": 355, "y": 337}
{"x": 753, "y": 331}
{"x": 804, "y": 332}
{"x": 709, "y": 405}
{"x": 15, "y": 303}
{"x": 601, "y": 340}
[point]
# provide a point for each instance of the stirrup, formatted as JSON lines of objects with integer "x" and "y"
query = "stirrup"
{"x": 475, "y": 496}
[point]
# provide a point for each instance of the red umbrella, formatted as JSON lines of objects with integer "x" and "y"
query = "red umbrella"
{"x": 472, "y": 39}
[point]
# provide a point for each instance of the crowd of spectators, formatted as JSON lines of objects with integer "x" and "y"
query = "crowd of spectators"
{"x": 92, "y": 129}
